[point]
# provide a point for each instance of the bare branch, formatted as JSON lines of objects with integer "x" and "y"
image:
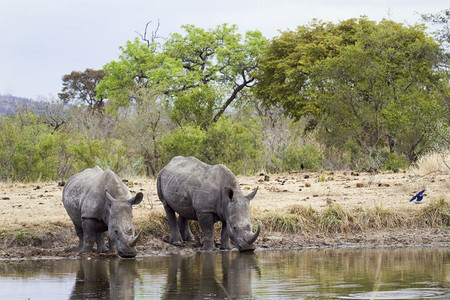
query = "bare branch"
{"x": 154, "y": 34}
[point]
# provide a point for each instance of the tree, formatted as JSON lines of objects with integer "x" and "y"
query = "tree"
{"x": 199, "y": 73}
{"x": 284, "y": 77}
{"x": 365, "y": 86}
{"x": 79, "y": 87}
{"x": 382, "y": 90}
{"x": 441, "y": 19}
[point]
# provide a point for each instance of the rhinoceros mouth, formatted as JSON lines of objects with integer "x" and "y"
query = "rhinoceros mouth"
{"x": 127, "y": 255}
{"x": 247, "y": 248}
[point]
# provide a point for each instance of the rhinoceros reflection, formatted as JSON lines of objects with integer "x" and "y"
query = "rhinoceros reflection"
{"x": 211, "y": 275}
{"x": 105, "y": 279}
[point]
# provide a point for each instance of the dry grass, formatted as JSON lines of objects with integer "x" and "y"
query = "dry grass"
{"x": 335, "y": 219}
{"x": 433, "y": 162}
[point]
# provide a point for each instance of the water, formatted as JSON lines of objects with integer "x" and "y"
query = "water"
{"x": 307, "y": 274}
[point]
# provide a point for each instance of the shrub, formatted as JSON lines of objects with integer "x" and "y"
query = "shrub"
{"x": 308, "y": 154}
{"x": 234, "y": 144}
{"x": 187, "y": 141}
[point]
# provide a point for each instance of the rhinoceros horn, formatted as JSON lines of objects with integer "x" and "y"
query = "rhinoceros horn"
{"x": 135, "y": 239}
{"x": 254, "y": 236}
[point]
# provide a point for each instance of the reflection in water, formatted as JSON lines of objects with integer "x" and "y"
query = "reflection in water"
{"x": 105, "y": 279}
{"x": 346, "y": 274}
{"x": 201, "y": 276}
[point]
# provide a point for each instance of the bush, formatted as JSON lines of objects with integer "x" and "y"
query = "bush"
{"x": 234, "y": 144}
{"x": 187, "y": 141}
{"x": 391, "y": 161}
{"x": 308, "y": 154}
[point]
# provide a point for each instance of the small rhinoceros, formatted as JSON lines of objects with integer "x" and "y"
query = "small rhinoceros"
{"x": 198, "y": 191}
{"x": 97, "y": 201}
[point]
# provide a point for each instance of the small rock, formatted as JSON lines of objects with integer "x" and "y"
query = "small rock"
{"x": 308, "y": 184}
{"x": 37, "y": 188}
{"x": 359, "y": 184}
{"x": 5, "y": 198}
{"x": 306, "y": 176}
{"x": 62, "y": 183}
{"x": 266, "y": 178}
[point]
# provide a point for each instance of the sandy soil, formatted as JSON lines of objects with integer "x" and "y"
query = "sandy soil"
{"x": 37, "y": 207}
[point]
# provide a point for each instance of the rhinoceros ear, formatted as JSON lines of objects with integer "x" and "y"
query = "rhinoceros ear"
{"x": 252, "y": 194}
{"x": 136, "y": 199}
{"x": 109, "y": 197}
{"x": 227, "y": 193}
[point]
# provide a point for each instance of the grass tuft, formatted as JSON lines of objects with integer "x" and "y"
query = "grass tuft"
{"x": 335, "y": 219}
{"x": 436, "y": 213}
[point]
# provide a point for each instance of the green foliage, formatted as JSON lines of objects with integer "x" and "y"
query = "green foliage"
{"x": 287, "y": 64}
{"x": 79, "y": 87}
{"x": 28, "y": 149}
{"x": 187, "y": 141}
{"x": 307, "y": 154}
{"x": 199, "y": 73}
{"x": 375, "y": 84}
{"x": 391, "y": 161}
{"x": 363, "y": 94}
{"x": 234, "y": 144}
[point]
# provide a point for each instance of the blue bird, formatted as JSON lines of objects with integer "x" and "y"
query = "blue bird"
{"x": 418, "y": 197}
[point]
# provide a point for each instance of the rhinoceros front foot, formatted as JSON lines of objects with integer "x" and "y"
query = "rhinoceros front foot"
{"x": 209, "y": 248}
{"x": 225, "y": 245}
{"x": 175, "y": 241}
{"x": 208, "y": 245}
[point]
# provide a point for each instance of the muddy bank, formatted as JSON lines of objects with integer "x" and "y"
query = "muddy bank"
{"x": 62, "y": 244}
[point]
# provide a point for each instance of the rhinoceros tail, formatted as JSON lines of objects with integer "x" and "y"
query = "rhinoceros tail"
{"x": 158, "y": 188}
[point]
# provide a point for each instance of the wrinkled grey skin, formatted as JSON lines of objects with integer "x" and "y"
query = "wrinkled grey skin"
{"x": 197, "y": 191}
{"x": 98, "y": 201}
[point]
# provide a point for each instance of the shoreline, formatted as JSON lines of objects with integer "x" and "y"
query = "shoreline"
{"x": 61, "y": 245}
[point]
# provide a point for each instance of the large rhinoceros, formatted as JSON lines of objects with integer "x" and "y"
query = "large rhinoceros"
{"x": 98, "y": 201}
{"x": 198, "y": 191}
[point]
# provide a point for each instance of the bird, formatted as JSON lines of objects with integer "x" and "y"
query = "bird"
{"x": 418, "y": 197}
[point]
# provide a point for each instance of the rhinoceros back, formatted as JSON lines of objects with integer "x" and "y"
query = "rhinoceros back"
{"x": 84, "y": 193}
{"x": 189, "y": 185}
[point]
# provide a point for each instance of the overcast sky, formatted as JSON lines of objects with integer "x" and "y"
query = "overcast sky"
{"x": 41, "y": 40}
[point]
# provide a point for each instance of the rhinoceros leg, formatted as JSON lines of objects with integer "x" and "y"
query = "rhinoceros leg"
{"x": 88, "y": 235}
{"x": 206, "y": 221}
{"x": 224, "y": 238}
{"x": 183, "y": 225}
{"x": 100, "y": 239}
{"x": 175, "y": 236}
{"x": 79, "y": 232}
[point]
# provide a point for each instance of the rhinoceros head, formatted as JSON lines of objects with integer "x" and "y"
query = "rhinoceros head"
{"x": 120, "y": 227}
{"x": 238, "y": 222}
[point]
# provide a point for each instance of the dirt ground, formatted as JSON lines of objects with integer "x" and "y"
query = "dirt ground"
{"x": 37, "y": 207}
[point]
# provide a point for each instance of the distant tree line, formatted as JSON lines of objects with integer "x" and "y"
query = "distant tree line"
{"x": 350, "y": 95}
